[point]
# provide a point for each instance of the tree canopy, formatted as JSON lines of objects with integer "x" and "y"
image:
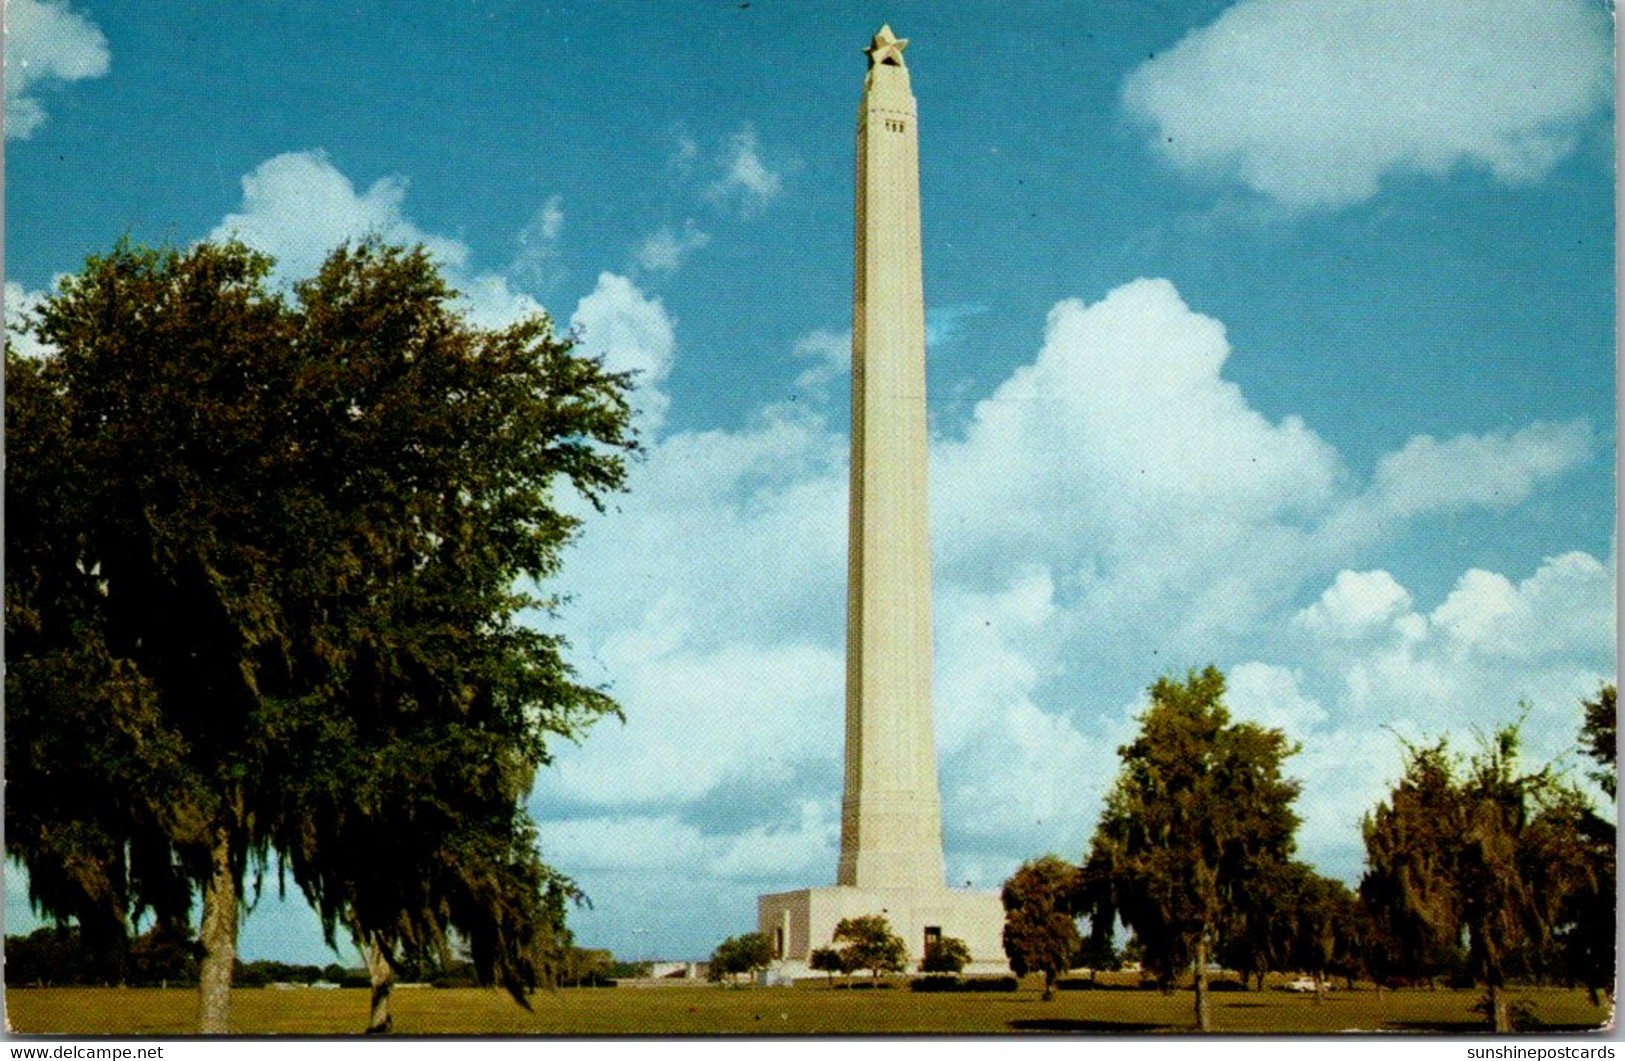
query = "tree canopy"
{"x": 1587, "y": 936}
{"x": 1198, "y": 800}
{"x": 1599, "y": 737}
{"x": 1040, "y": 927}
{"x": 1490, "y": 851}
{"x": 263, "y": 602}
{"x": 871, "y": 944}
{"x": 749, "y": 953}
{"x": 829, "y": 960}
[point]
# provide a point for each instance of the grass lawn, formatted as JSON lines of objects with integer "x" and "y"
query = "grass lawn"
{"x": 808, "y": 1009}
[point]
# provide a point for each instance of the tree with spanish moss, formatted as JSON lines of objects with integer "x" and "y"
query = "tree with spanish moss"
{"x": 1410, "y": 884}
{"x": 434, "y": 455}
{"x": 1588, "y": 936}
{"x": 266, "y": 575}
{"x": 1324, "y": 926}
{"x": 1487, "y": 850}
{"x": 1198, "y": 800}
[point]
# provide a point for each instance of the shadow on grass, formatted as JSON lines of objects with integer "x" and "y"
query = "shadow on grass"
{"x": 1057, "y": 1024}
{"x": 1480, "y": 1028}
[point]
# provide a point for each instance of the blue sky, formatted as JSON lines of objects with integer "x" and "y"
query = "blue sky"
{"x": 1273, "y": 335}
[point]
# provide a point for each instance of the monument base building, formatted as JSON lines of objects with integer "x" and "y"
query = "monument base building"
{"x": 891, "y": 861}
{"x": 801, "y": 921}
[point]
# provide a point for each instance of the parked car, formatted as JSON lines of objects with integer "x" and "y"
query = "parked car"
{"x": 1303, "y": 984}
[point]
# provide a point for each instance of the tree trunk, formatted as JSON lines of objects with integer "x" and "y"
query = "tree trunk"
{"x": 1049, "y": 988}
{"x": 1204, "y": 1011}
{"x": 218, "y": 936}
{"x": 383, "y": 978}
{"x": 1500, "y": 1010}
{"x": 1320, "y": 988}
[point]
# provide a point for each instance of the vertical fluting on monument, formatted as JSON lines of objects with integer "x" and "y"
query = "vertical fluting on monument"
{"x": 891, "y": 825}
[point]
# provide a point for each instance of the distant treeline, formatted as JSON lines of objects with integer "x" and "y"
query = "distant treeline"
{"x": 61, "y": 957}
{"x": 168, "y": 957}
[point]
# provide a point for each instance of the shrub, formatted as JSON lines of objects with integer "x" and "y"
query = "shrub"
{"x": 926, "y": 985}
{"x": 992, "y": 983}
{"x": 945, "y": 955}
{"x": 975, "y": 984}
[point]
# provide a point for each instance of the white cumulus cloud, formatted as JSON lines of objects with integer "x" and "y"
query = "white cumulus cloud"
{"x": 664, "y": 842}
{"x": 46, "y": 41}
{"x": 1567, "y": 605}
{"x": 1313, "y": 102}
{"x": 632, "y": 332}
{"x": 1123, "y": 460}
{"x": 298, "y": 206}
{"x": 1013, "y": 771}
{"x": 1272, "y": 696}
{"x": 1357, "y": 603}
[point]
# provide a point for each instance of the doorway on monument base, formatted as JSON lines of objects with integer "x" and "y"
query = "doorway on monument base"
{"x": 933, "y": 934}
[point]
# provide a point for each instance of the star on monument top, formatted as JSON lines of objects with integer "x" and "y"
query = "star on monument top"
{"x": 886, "y": 49}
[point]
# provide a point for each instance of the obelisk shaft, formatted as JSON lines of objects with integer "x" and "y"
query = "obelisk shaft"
{"x": 891, "y": 828}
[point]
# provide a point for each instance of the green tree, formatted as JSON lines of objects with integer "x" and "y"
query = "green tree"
{"x": 1587, "y": 936}
{"x": 828, "y": 960}
{"x": 945, "y": 955}
{"x": 1410, "y": 884}
{"x": 1284, "y": 915}
{"x": 1259, "y": 929}
{"x": 273, "y": 593}
{"x": 59, "y": 956}
{"x": 138, "y": 627}
{"x": 1519, "y": 860}
{"x": 451, "y": 443}
{"x": 1097, "y": 955}
{"x": 1197, "y": 801}
{"x": 1040, "y": 928}
{"x": 747, "y": 954}
{"x": 554, "y": 954}
{"x": 1495, "y": 853}
{"x": 164, "y": 955}
{"x": 1599, "y": 737}
{"x": 870, "y": 944}
{"x": 1324, "y": 924}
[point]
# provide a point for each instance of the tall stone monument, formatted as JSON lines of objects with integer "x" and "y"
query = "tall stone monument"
{"x": 891, "y": 818}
